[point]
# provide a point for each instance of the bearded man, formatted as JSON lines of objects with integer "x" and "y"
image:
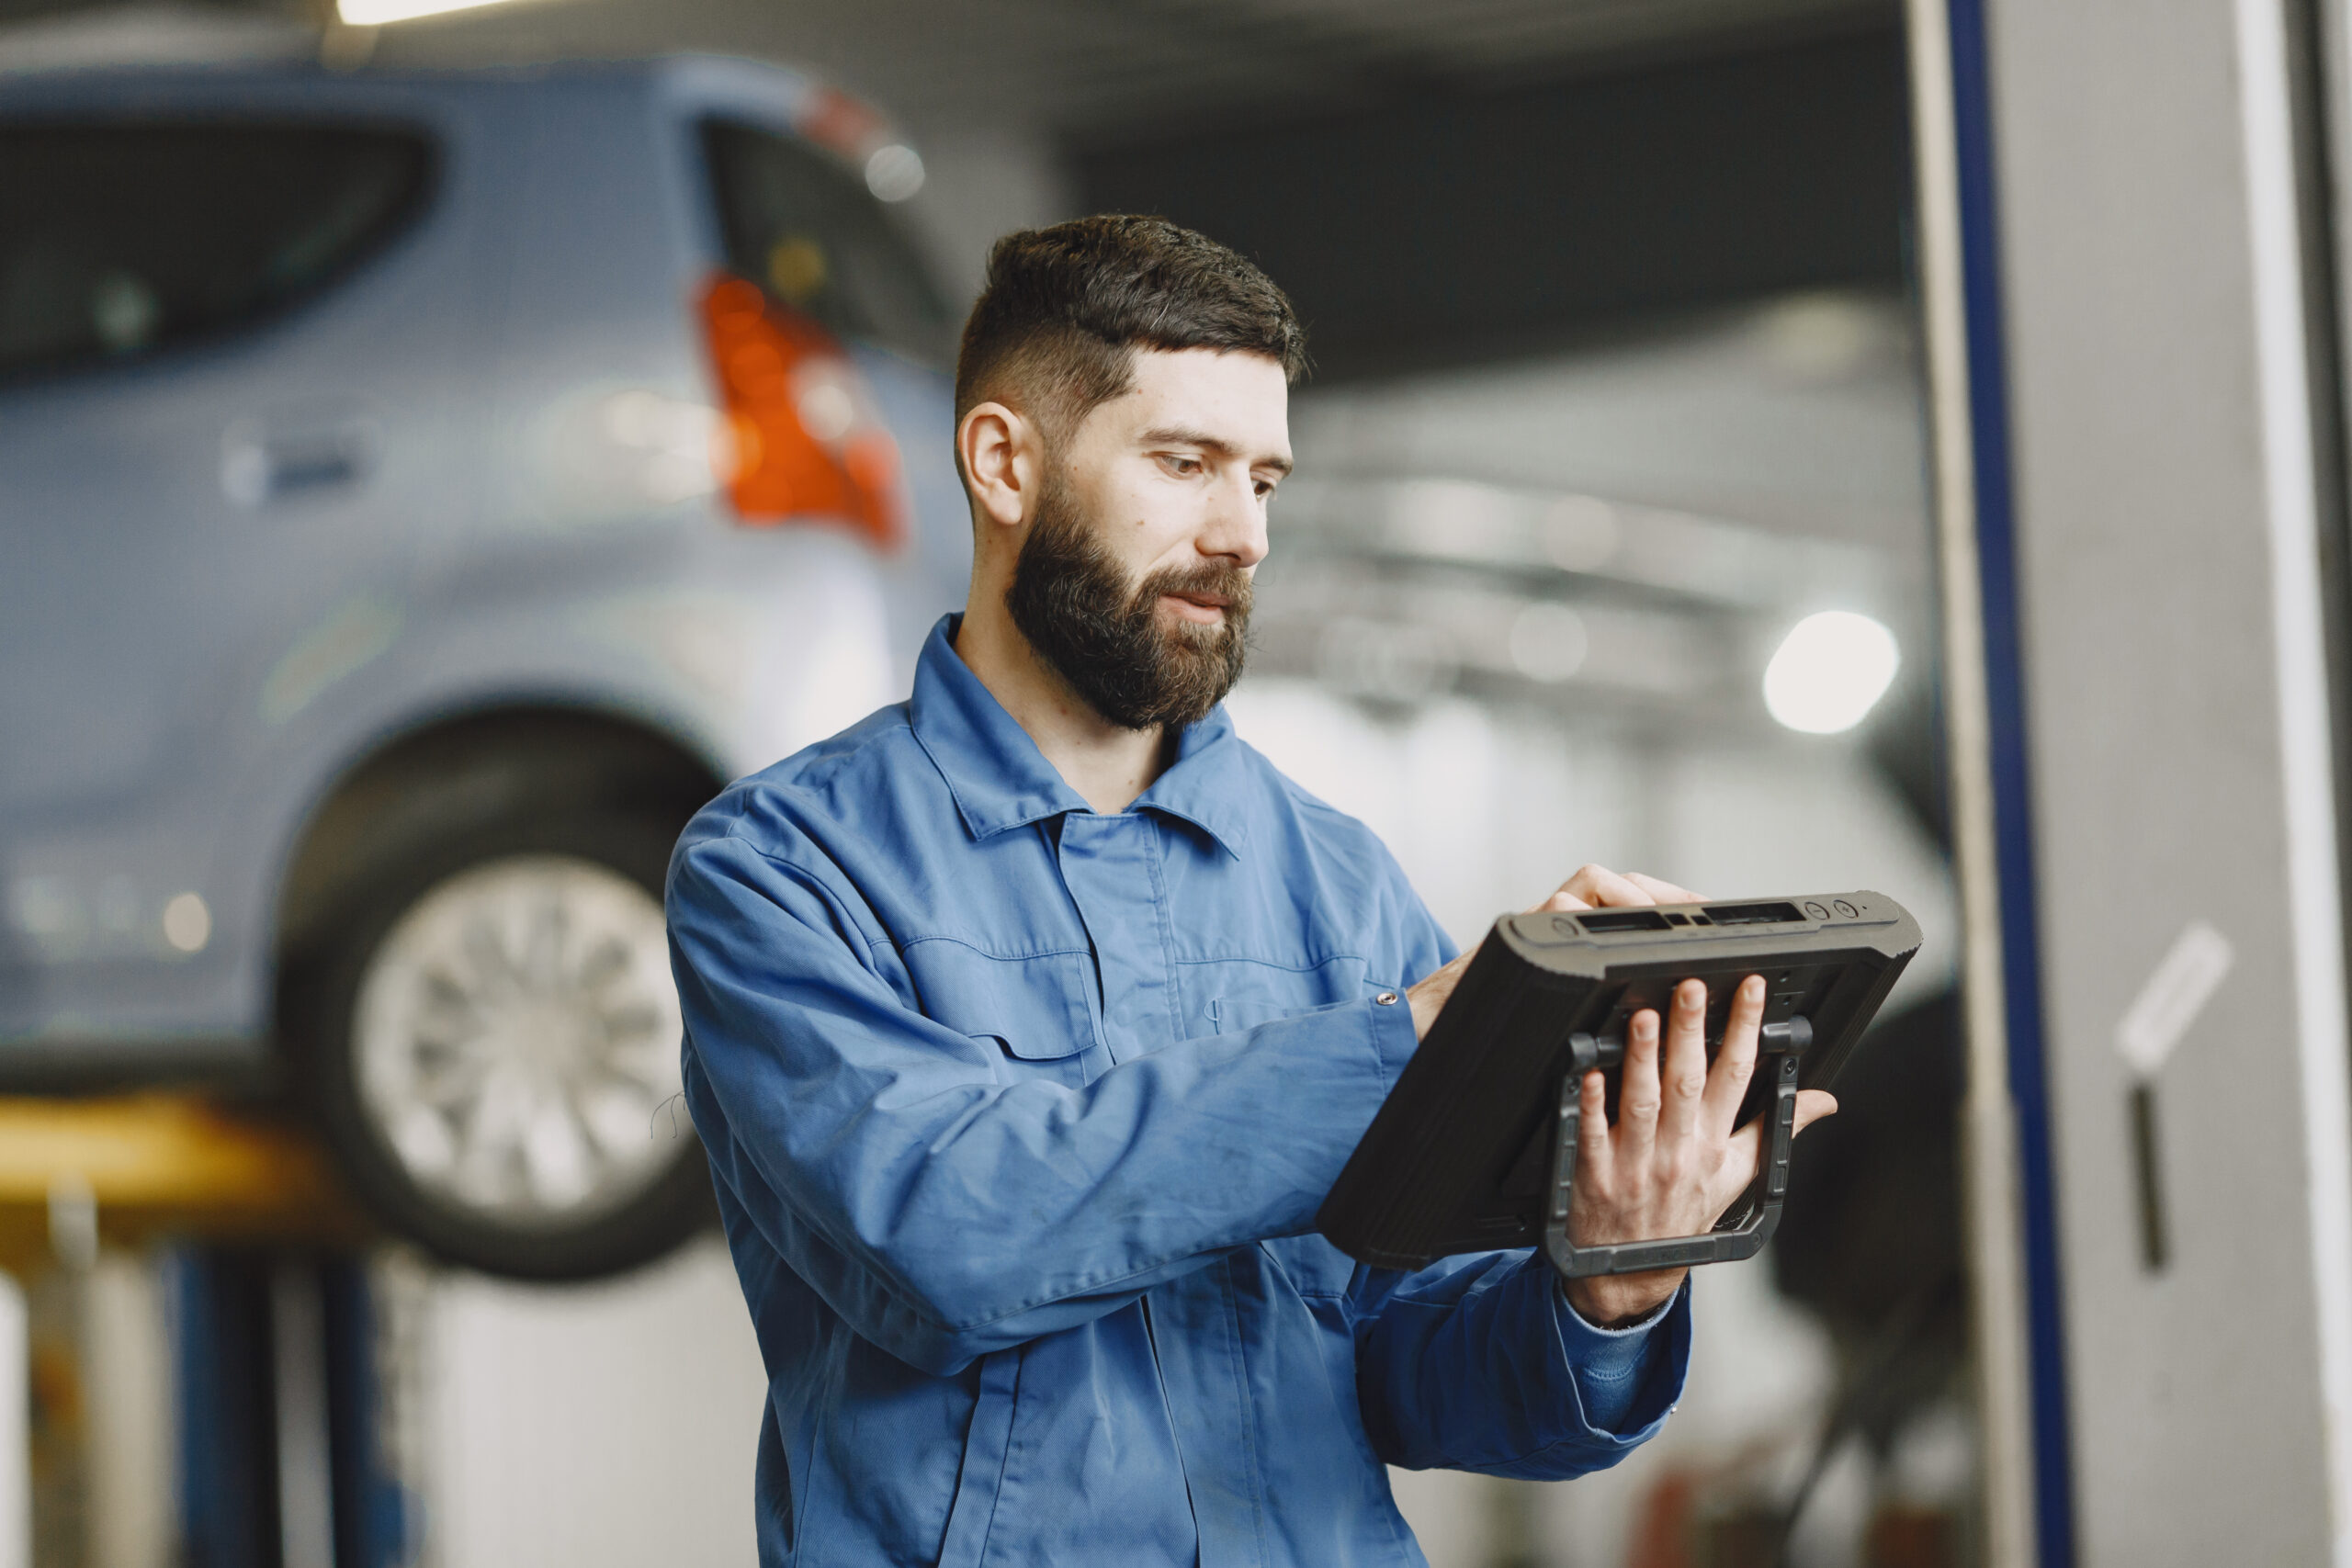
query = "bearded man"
{"x": 1028, "y": 1021}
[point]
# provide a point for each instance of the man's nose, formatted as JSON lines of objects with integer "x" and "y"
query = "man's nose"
{"x": 1237, "y": 525}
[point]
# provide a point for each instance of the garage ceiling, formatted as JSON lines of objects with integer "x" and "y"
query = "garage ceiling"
{"x": 1087, "y": 66}
{"x": 1091, "y": 69}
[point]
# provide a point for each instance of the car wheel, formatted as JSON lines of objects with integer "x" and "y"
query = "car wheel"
{"x": 494, "y": 1051}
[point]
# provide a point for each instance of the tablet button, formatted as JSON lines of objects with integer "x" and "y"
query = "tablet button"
{"x": 1847, "y": 909}
{"x": 1816, "y": 911}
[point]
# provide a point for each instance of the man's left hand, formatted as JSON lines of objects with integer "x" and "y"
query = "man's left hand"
{"x": 1674, "y": 1161}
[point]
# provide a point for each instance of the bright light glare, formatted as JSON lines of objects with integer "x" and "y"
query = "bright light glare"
{"x": 375, "y": 12}
{"x": 1829, "y": 671}
{"x": 894, "y": 172}
{"x": 187, "y": 924}
{"x": 1548, "y": 642}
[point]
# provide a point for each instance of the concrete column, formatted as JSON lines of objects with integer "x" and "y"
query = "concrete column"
{"x": 2174, "y": 611}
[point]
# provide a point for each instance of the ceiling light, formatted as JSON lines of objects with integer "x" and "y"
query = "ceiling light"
{"x": 1548, "y": 642}
{"x": 375, "y": 12}
{"x": 1829, "y": 671}
{"x": 894, "y": 172}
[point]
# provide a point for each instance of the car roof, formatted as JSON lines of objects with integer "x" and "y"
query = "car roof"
{"x": 303, "y": 66}
{"x": 690, "y": 83}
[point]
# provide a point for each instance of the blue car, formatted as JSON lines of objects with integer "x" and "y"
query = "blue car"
{"x": 418, "y": 493}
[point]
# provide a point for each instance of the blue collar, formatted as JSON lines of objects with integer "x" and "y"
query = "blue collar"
{"x": 1001, "y": 780}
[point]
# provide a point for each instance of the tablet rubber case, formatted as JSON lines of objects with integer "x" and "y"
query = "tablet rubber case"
{"x": 1460, "y": 1156}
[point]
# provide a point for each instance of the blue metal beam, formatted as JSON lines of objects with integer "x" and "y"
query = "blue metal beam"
{"x": 2012, "y": 800}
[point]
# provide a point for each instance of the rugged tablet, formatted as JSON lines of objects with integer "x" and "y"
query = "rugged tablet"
{"x": 1475, "y": 1147}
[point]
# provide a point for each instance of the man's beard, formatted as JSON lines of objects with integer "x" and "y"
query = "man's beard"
{"x": 1104, "y": 639}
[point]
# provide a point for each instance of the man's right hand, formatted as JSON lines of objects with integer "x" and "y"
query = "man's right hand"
{"x": 1593, "y": 886}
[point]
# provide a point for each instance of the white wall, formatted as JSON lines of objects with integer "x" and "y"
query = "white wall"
{"x": 609, "y": 1425}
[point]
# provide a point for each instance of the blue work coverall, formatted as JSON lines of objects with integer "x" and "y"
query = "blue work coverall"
{"x": 1019, "y": 1116}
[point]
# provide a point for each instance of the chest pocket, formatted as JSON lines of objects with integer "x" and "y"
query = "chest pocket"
{"x": 1313, "y": 1266}
{"x": 1032, "y": 1013}
{"x": 1226, "y": 995}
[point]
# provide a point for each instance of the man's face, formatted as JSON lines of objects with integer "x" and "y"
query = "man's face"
{"x": 1133, "y": 580}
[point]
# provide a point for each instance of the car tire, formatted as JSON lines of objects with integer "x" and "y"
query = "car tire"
{"x": 490, "y": 1047}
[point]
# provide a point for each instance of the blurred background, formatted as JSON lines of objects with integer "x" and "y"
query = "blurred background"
{"x": 439, "y": 450}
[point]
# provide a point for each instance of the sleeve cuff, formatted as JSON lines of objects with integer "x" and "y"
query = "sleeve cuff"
{"x": 1615, "y": 1368}
{"x": 1580, "y": 1324}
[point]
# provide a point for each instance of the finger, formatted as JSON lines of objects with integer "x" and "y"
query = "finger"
{"x": 1599, "y": 884}
{"x": 1743, "y": 1153}
{"x": 1684, "y": 1080}
{"x": 1592, "y": 1132}
{"x": 1663, "y": 891}
{"x": 1735, "y": 1063}
{"x": 1637, "y": 1089}
{"x": 1428, "y": 999}
{"x": 1813, "y": 1105}
{"x": 1563, "y": 899}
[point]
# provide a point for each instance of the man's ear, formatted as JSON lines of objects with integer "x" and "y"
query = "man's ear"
{"x": 1003, "y": 460}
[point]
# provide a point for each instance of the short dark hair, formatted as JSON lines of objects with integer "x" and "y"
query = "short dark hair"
{"x": 1065, "y": 309}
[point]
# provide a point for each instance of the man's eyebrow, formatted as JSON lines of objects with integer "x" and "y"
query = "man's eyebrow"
{"x": 1181, "y": 435}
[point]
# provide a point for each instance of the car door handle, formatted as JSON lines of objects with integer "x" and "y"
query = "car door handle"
{"x": 259, "y": 467}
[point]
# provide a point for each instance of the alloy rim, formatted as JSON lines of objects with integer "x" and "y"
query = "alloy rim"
{"x": 516, "y": 1040}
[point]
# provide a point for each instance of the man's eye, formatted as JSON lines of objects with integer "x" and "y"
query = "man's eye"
{"x": 1183, "y": 467}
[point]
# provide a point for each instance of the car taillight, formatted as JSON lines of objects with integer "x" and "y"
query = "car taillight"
{"x": 801, "y": 439}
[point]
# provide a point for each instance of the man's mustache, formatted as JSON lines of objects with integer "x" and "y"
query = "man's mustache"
{"x": 1224, "y": 585}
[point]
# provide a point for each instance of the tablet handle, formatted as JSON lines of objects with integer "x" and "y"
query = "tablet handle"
{"x": 1780, "y": 1045}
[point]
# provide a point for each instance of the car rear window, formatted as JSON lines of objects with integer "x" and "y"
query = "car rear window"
{"x": 116, "y": 240}
{"x": 806, "y": 229}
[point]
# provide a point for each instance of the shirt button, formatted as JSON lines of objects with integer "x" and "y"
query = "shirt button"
{"x": 1386, "y": 999}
